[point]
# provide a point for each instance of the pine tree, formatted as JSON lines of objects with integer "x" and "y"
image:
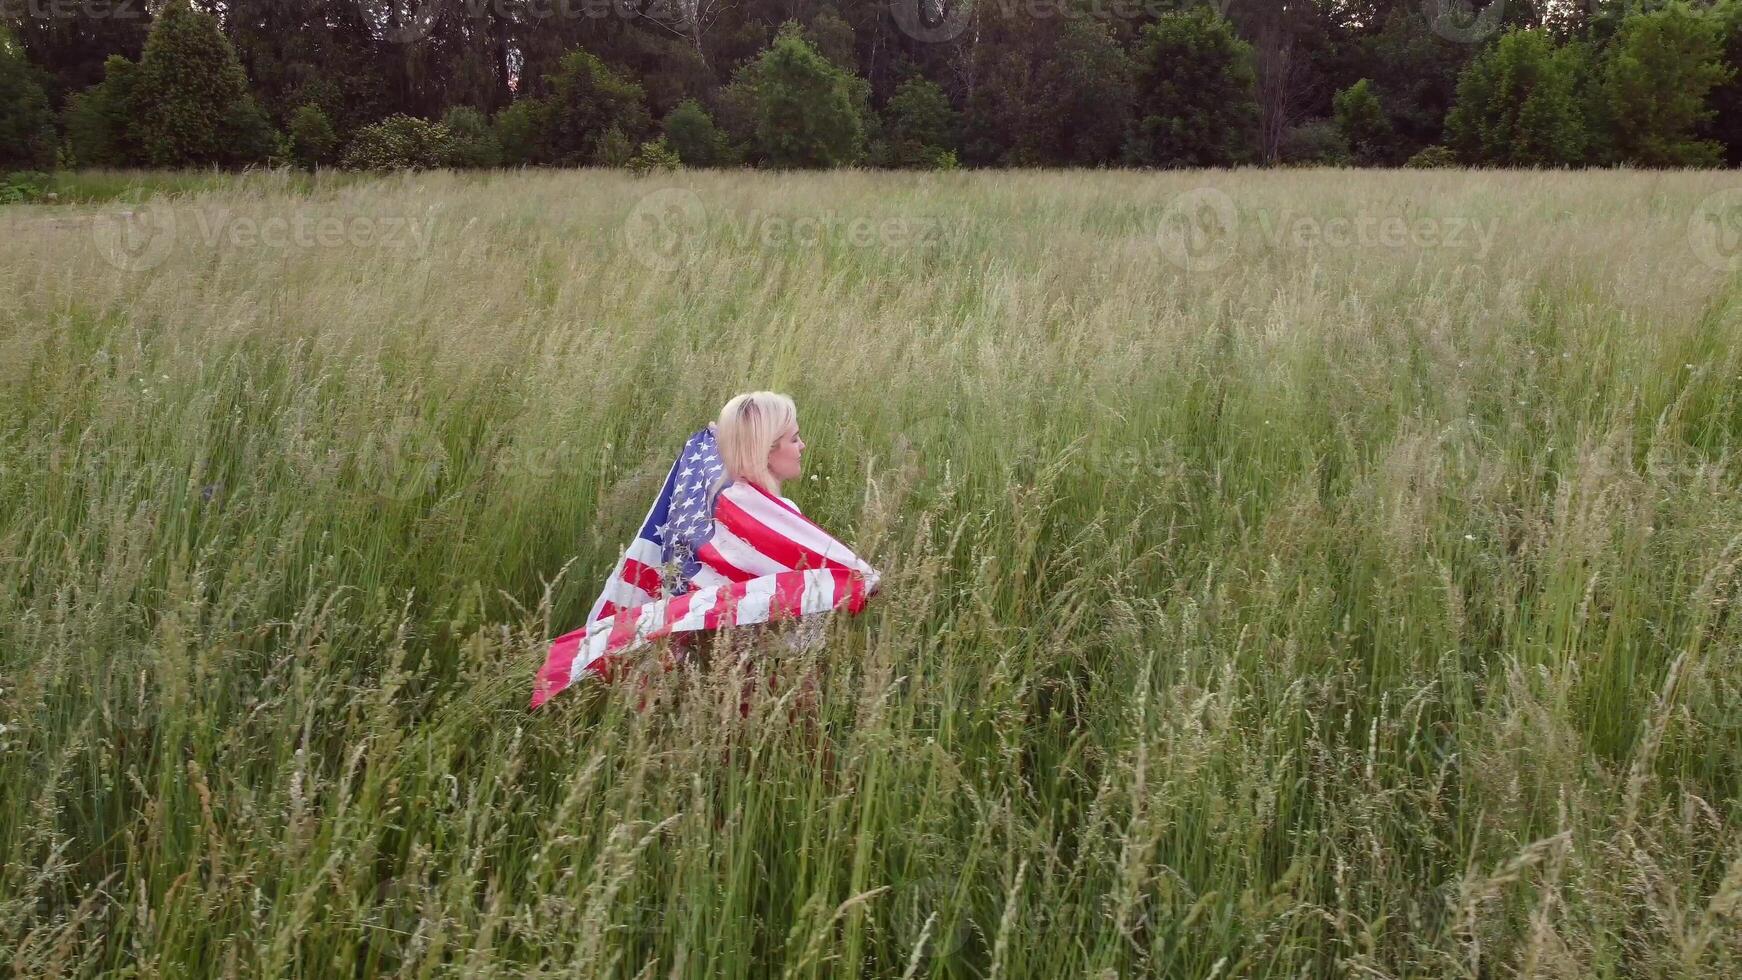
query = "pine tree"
{"x": 190, "y": 97}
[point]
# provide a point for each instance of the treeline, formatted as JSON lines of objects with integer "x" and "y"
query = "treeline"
{"x": 380, "y": 84}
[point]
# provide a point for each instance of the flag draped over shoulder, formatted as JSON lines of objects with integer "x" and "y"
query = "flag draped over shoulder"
{"x": 743, "y": 558}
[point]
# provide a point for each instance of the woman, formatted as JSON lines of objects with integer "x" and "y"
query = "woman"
{"x": 760, "y": 445}
{"x": 735, "y": 554}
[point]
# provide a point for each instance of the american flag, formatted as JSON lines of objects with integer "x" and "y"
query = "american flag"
{"x": 741, "y": 558}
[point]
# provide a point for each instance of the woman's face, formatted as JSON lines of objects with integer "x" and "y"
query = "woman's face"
{"x": 783, "y": 459}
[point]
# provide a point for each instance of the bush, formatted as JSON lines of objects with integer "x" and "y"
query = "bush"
{"x": 399, "y": 142}
{"x": 23, "y": 186}
{"x": 1431, "y": 157}
{"x": 1317, "y": 143}
{"x": 654, "y": 155}
{"x": 920, "y": 125}
{"x": 312, "y": 140}
{"x": 691, "y": 134}
{"x": 613, "y": 149}
{"x": 471, "y": 143}
{"x": 517, "y": 131}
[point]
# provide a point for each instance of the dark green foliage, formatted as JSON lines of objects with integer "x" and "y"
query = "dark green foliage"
{"x": 1196, "y": 105}
{"x": 1361, "y": 119}
{"x": 312, "y": 140}
{"x": 804, "y": 111}
{"x": 1725, "y": 124}
{"x": 190, "y": 99}
{"x": 1655, "y": 78}
{"x": 399, "y": 142}
{"x": 27, "y": 131}
{"x": 692, "y": 135}
{"x": 471, "y": 143}
{"x": 587, "y": 100}
{"x": 24, "y": 186}
{"x": 832, "y": 37}
{"x": 612, "y": 148}
{"x": 919, "y": 126}
{"x": 1318, "y": 143}
{"x": 1518, "y": 105}
{"x": 99, "y": 120}
{"x": 1049, "y": 91}
{"x": 517, "y": 132}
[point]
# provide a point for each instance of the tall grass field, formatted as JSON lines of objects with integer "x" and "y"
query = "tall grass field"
{"x": 1286, "y": 574}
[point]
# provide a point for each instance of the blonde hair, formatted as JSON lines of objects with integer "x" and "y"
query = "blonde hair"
{"x": 749, "y": 426}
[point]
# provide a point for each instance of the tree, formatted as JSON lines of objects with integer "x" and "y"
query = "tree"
{"x": 691, "y": 134}
{"x": 312, "y": 140}
{"x": 1196, "y": 105}
{"x": 27, "y": 133}
{"x": 920, "y": 127}
{"x": 1725, "y": 124}
{"x": 1362, "y": 122}
{"x": 804, "y": 111}
{"x": 1518, "y": 106}
{"x": 1652, "y": 98}
{"x": 99, "y": 120}
{"x": 1047, "y": 91}
{"x": 191, "y": 99}
{"x": 587, "y": 101}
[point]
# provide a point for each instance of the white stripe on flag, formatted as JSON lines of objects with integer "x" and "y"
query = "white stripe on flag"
{"x": 819, "y": 591}
{"x": 700, "y": 603}
{"x": 743, "y": 555}
{"x": 753, "y": 608}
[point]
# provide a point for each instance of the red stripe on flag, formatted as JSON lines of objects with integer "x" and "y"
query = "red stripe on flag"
{"x": 788, "y": 599}
{"x": 776, "y": 546}
{"x": 675, "y": 610}
{"x": 644, "y": 577}
{"x": 555, "y": 674}
{"x": 725, "y": 610}
{"x": 711, "y": 557}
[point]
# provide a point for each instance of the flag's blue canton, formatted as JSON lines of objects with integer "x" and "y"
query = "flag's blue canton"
{"x": 682, "y": 520}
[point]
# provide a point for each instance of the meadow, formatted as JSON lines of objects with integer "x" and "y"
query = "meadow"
{"x": 1307, "y": 574}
